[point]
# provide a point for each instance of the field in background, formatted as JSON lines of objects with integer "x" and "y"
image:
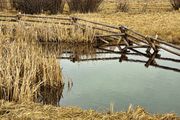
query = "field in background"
{"x": 150, "y": 18}
{"x": 153, "y": 17}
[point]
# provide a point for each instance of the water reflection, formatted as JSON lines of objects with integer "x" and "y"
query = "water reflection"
{"x": 83, "y": 53}
{"x": 112, "y": 76}
{"x": 87, "y": 52}
{"x": 46, "y": 94}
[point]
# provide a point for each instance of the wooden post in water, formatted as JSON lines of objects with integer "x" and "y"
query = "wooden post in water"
{"x": 152, "y": 56}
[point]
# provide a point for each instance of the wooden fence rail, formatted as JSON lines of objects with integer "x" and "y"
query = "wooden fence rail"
{"x": 110, "y": 34}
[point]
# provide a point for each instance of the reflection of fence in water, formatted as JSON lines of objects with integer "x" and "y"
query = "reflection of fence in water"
{"x": 86, "y": 50}
{"x": 124, "y": 57}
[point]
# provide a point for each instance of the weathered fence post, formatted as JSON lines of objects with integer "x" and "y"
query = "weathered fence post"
{"x": 152, "y": 56}
{"x": 124, "y": 30}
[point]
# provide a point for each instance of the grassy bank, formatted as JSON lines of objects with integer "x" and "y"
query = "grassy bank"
{"x": 31, "y": 111}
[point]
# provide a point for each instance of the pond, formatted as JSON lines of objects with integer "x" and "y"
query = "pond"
{"x": 100, "y": 79}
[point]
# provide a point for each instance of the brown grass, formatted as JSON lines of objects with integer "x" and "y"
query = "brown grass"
{"x": 47, "y": 32}
{"x": 26, "y": 74}
{"x": 164, "y": 24}
{"x": 26, "y": 111}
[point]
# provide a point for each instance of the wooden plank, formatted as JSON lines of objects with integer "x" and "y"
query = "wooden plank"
{"x": 140, "y": 40}
{"x": 49, "y": 17}
{"x": 139, "y": 46}
{"x": 101, "y": 24}
{"x": 46, "y": 22}
{"x": 119, "y": 34}
{"x": 103, "y": 40}
{"x": 151, "y": 59}
{"x": 97, "y": 28}
{"x": 159, "y": 40}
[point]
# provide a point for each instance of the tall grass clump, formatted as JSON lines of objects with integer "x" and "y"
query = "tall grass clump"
{"x": 84, "y": 6}
{"x": 38, "y": 6}
{"x": 175, "y": 4}
{"x": 27, "y": 75}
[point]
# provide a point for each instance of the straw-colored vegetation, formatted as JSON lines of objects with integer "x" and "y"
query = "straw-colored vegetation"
{"x": 26, "y": 74}
{"x": 46, "y": 32}
{"x": 29, "y": 73}
{"x": 27, "y": 111}
{"x": 150, "y": 17}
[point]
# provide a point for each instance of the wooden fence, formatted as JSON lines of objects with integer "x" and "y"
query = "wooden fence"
{"x": 123, "y": 37}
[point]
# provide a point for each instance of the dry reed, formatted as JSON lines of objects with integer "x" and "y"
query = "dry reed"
{"x": 33, "y": 111}
{"x": 27, "y": 75}
{"x": 47, "y": 32}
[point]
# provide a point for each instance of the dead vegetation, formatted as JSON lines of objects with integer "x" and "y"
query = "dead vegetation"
{"x": 33, "y": 111}
{"x": 47, "y": 32}
{"x": 26, "y": 74}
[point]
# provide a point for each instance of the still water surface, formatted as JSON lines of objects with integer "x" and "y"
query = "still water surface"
{"x": 97, "y": 84}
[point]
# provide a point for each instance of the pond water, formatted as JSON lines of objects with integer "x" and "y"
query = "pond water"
{"x": 103, "y": 80}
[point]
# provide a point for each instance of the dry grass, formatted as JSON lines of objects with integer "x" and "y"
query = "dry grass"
{"x": 31, "y": 111}
{"x": 46, "y": 32}
{"x": 137, "y": 6}
{"x": 164, "y": 24}
{"x": 26, "y": 74}
{"x": 148, "y": 17}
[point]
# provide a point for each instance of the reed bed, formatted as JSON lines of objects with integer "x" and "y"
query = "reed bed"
{"x": 27, "y": 75}
{"x": 47, "y": 32}
{"x": 26, "y": 111}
